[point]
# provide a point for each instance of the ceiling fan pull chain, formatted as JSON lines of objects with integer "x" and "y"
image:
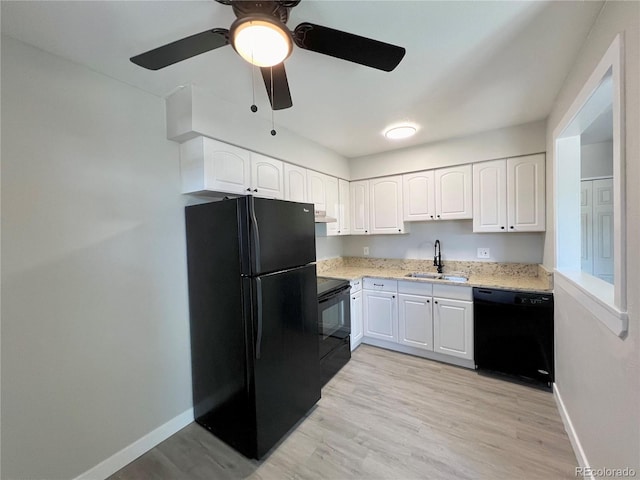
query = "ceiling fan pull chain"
{"x": 273, "y": 102}
{"x": 254, "y": 107}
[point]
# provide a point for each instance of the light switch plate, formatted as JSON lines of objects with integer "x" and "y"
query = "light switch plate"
{"x": 483, "y": 253}
{"x": 365, "y": 251}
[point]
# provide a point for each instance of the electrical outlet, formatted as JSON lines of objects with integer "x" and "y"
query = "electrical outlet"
{"x": 483, "y": 253}
{"x": 365, "y": 250}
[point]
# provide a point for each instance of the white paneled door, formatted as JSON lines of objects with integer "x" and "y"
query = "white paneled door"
{"x": 596, "y": 215}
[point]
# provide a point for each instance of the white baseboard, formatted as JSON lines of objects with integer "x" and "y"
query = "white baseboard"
{"x": 571, "y": 432}
{"x": 128, "y": 454}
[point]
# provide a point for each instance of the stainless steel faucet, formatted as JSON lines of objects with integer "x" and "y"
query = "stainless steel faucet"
{"x": 437, "y": 256}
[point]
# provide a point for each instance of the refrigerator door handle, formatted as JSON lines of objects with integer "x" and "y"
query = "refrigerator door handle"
{"x": 259, "y": 333}
{"x": 256, "y": 236}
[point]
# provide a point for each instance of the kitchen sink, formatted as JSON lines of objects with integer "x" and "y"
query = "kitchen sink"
{"x": 454, "y": 278}
{"x": 439, "y": 276}
{"x": 433, "y": 276}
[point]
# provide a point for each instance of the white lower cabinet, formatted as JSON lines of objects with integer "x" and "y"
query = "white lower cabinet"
{"x": 453, "y": 321}
{"x": 435, "y": 319}
{"x": 380, "y": 309}
{"x": 453, "y": 327}
{"x": 415, "y": 321}
{"x": 357, "y": 327}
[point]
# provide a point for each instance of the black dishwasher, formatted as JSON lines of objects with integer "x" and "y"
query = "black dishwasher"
{"x": 513, "y": 335}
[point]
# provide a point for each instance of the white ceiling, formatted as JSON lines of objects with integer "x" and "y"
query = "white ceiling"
{"x": 469, "y": 67}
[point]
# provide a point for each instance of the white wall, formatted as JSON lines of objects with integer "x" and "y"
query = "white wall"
{"x": 596, "y": 160}
{"x": 490, "y": 145}
{"x": 457, "y": 240}
{"x": 95, "y": 331}
{"x": 328, "y": 247}
{"x": 193, "y": 111}
{"x": 598, "y": 373}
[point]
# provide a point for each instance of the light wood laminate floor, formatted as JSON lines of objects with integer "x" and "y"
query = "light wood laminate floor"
{"x": 387, "y": 415}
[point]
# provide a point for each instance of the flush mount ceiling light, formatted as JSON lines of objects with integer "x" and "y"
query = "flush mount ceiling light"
{"x": 261, "y": 40}
{"x": 400, "y": 131}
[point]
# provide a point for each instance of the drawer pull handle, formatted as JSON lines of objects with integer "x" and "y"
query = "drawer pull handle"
{"x": 378, "y": 284}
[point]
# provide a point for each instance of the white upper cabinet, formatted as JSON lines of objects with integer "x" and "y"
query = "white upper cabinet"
{"x": 386, "y": 205}
{"x": 316, "y": 189}
{"x": 508, "y": 195}
{"x": 454, "y": 193}
{"x": 359, "y": 207}
{"x": 490, "y": 196}
{"x": 525, "y": 193}
{"x": 344, "y": 212}
{"x": 419, "y": 196}
{"x": 442, "y": 194}
{"x": 267, "y": 176}
{"x": 295, "y": 183}
{"x": 209, "y": 165}
{"x": 332, "y": 203}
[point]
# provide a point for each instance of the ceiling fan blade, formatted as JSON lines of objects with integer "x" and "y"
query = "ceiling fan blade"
{"x": 279, "y": 94}
{"x": 182, "y": 49}
{"x": 348, "y": 46}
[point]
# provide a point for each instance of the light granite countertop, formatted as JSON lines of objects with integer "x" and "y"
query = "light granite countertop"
{"x": 508, "y": 276}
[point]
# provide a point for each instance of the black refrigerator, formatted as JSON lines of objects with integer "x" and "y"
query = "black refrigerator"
{"x": 253, "y": 318}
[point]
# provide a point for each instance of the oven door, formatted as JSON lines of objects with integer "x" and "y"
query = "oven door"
{"x": 334, "y": 319}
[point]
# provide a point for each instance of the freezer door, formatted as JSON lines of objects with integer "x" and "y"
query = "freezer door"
{"x": 286, "y": 373}
{"x": 281, "y": 234}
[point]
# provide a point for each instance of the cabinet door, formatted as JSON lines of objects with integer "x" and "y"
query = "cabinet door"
{"x": 415, "y": 321}
{"x": 316, "y": 192}
{"x": 490, "y": 196}
{"x": 386, "y": 205}
{"x": 332, "y": 198}
{"x": 453, "y": 327}
{"x": 295, "y": 183}
{"x": 267, "y": 176}
{"x": 419, "y": 196}
{"x": 344, "y": 217}
{"x": 357, "y": 327}
{"x": 380, "y": 315}
{"x": 359, "y": 207}
{"x": 207, "y": 164}
{"x": 453, "y": 193}
{"x": 525, "y": 193}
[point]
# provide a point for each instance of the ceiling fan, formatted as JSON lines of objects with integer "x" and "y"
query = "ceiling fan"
{"x": 260, "y": 35}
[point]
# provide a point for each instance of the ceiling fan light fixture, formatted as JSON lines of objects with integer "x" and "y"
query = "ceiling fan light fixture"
{"x": 398, "y": 132}
{"x": 261, "y": 40}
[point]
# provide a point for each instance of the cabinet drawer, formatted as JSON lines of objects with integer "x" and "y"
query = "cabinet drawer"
{"x": 453, "y": 291}
{"x": 415, "y": 288}
{"x": 356, "y": 285}
{"x": 380, "y": 284}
